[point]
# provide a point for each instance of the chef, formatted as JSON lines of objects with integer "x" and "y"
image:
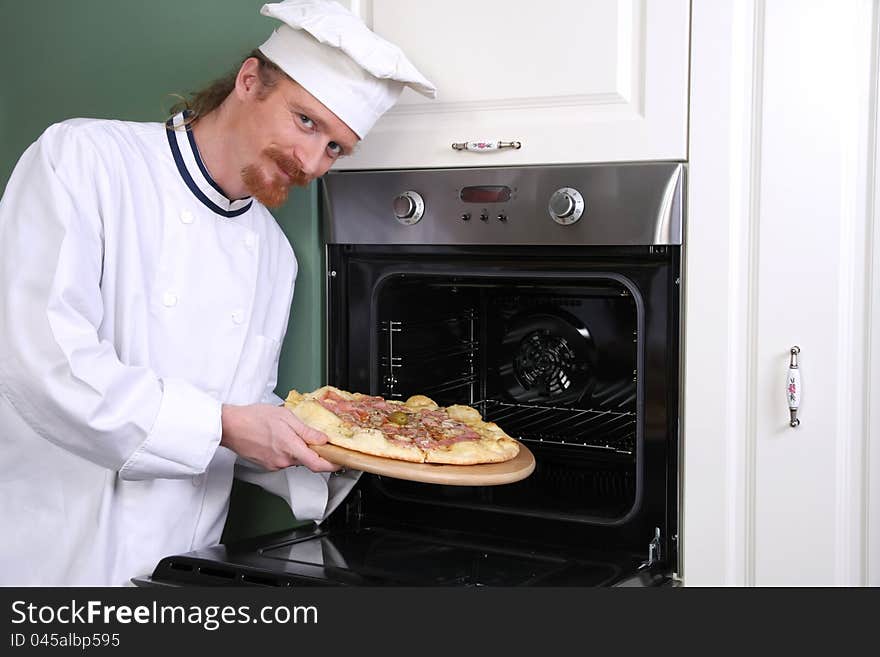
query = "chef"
{"x": 144, "y": 295}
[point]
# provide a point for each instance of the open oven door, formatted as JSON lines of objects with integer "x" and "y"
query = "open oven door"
{"x": 385, "y": 556}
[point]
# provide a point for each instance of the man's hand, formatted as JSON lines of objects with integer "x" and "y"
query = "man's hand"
{"x": 273, "y": 437}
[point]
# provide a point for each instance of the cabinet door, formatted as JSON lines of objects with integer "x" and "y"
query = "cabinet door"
{"x": 571, "y": 80}
{"x": 782, "y": 246}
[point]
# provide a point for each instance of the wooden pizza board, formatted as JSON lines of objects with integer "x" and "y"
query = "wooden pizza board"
{"x": 485, "y": 474}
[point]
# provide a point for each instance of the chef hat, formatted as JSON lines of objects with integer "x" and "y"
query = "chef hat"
{"x": 328, "y": 50}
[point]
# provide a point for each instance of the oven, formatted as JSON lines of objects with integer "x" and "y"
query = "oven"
{"x": 547, "y": 297}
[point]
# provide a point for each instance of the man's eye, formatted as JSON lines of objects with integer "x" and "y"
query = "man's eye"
{"x": 334, "y": 149}
{"x": 306, "y": 121}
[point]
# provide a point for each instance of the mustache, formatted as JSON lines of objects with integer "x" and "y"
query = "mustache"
{"x": 290, "y": 166}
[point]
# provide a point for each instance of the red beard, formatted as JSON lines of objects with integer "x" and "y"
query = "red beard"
{"x": 270, "y": 188}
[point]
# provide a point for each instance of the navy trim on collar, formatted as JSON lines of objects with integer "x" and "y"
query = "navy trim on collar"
{"x": 195, "y": 149}
{"x": 171, "y": 132}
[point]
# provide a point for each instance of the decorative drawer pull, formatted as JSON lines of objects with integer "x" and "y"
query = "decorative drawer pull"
{"x": 793, "y": 386}
{"x": 483, "y": 146}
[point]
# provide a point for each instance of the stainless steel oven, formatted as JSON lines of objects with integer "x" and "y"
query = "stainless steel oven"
{"x": 548, "y": 298}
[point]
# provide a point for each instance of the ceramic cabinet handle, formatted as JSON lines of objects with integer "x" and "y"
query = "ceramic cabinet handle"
{"x": 793, "y": 386}
{"x": 483, "y": 146}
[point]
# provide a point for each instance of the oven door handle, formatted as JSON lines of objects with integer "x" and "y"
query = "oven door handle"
{"x": 486, "y": 145}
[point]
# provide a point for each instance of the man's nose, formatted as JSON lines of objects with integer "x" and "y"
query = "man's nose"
{"x": 310, "y": 157}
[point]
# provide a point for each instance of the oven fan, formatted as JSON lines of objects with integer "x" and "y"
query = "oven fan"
{"x": 547, "y": 357}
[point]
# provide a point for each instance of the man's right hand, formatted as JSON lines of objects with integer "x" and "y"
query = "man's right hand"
{"x": 272, "y": 437}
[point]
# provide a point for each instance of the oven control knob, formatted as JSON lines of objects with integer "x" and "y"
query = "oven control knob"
{"x": 409, "y": 207}
{"x": 566, "y": 206}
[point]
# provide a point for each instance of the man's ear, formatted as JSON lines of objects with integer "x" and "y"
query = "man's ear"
{"x": 247, "y": 82}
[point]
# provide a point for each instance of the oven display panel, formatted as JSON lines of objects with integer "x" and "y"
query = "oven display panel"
{"x": 486, "y": 194}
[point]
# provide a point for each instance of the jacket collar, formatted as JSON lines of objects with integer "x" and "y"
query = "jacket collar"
{"x": 195, "y": 174}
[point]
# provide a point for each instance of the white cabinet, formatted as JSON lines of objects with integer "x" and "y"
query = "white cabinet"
{"x": 782, "y": 250}
{"x": 571, "y": 80}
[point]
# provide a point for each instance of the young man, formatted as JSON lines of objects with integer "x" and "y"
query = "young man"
{"x": 144, "y": 295}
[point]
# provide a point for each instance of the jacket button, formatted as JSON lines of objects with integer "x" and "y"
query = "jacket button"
{"x": 187, "y": 217}
{"x": 169, "y": 299}
{"x": 197, "y": 480}
{"x": 238, "y": 317}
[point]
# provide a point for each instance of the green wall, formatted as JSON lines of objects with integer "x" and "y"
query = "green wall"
{"x": 123, "y": 59}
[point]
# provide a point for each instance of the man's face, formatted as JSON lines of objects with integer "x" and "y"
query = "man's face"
{"x": 290, "y": 138}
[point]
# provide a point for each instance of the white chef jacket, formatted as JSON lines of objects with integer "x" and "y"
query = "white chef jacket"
{"x": 135, "y": 298}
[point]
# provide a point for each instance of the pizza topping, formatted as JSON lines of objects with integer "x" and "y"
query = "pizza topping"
{"x": 398, "y": 417}
{"x": 405, "y": 431}
{"x": 426, "y": 428}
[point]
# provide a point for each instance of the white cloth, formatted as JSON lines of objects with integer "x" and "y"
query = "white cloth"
{"x": 134, "y": 300}
{"x": 355, "y": 73}
{"x": 310, "y": 495}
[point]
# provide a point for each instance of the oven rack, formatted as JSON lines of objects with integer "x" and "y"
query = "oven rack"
{"x": 614, "y": 431}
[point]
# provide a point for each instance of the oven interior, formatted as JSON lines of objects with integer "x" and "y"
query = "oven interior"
{"x": 554, "y": 365}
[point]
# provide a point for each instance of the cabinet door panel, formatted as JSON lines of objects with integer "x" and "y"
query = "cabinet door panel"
{"x": 573, "y": 81}
{"x": 781, "y": 243}
{"x": 811, "y": 291}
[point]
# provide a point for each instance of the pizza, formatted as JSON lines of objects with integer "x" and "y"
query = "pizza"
{"x": 417, "y": 430}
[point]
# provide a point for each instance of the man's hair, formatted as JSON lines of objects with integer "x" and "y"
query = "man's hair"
{"x": 201, "y": 103}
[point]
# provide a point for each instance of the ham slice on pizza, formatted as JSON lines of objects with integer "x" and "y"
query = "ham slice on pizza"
{"x": 417, "y": 430}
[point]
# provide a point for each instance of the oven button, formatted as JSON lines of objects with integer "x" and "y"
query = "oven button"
{"x": 502, "y": 217}
{"x": 484, "y": 217}
{"x": 409, "y": 208}
{"x": 566, "y": 206}
{"x": 466, "y": 216}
